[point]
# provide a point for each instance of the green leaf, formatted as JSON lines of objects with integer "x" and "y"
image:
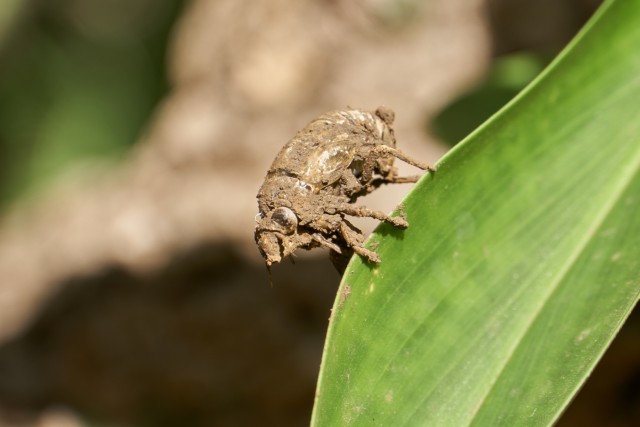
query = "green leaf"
{"x": 520, "y": 264}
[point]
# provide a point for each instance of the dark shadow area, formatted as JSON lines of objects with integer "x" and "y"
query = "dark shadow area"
{"x": 203, "y": 342}
{"x": 526, "y": 36}
{"x": 506, "y": 78}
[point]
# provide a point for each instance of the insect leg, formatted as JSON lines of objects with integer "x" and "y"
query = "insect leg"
{"x": 379, "y": 149}
{"x": 403, "y": 179}
{"x": 361, "y": 211}
{"x": 369, "y": 167}
{"x": 324, "y": 242}
{"x": 353, "y": 237}
{"x": 377, "y": 182}
{"x": 350, "y": 183}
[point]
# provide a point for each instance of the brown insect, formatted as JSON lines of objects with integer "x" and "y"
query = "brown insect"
{"x": 317, "y": 176}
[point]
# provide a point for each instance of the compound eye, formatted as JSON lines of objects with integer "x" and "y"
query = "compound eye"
{"x": 286, "y": 219}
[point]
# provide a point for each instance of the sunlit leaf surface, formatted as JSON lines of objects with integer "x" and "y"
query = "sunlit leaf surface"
{"x": 521, "y": 262}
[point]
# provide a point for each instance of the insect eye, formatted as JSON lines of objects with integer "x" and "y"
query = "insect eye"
{"x": 285, "y": 218}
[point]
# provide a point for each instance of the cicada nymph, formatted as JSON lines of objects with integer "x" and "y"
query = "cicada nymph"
{"x": 313, "y": 182}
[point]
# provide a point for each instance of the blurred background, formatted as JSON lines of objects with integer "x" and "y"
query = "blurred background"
{"x": 133, "y": 138}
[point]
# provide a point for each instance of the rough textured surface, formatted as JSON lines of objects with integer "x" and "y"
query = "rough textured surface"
{"x": 317, "y": 176}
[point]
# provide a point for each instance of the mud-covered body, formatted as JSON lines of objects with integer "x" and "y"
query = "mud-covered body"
{"x": 316, "y": 177}
{"x": 327, "y": 154}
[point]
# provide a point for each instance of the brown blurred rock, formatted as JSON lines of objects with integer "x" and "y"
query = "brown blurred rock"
{"x": 136, "y": 294}
{"x": 200, "y": 342}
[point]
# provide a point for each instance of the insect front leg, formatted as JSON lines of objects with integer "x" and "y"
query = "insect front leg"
{"x": 361, "y": 211}
{"x": 319, "y": 238}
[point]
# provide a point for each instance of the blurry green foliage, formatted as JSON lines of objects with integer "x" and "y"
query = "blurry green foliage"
{"x": 507, "y": 76}
{"x": 8, "y": 11}
{"x": 78, "y": 81}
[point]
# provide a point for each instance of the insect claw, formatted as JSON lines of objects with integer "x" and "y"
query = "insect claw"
{"x": 369, "y": 255}
{"x": 399, "y": 221}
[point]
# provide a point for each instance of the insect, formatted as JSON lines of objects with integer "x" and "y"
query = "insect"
{"x": 317, "y": 176}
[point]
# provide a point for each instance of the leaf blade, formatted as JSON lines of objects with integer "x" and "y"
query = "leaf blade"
{"x": 512, "y": 212}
